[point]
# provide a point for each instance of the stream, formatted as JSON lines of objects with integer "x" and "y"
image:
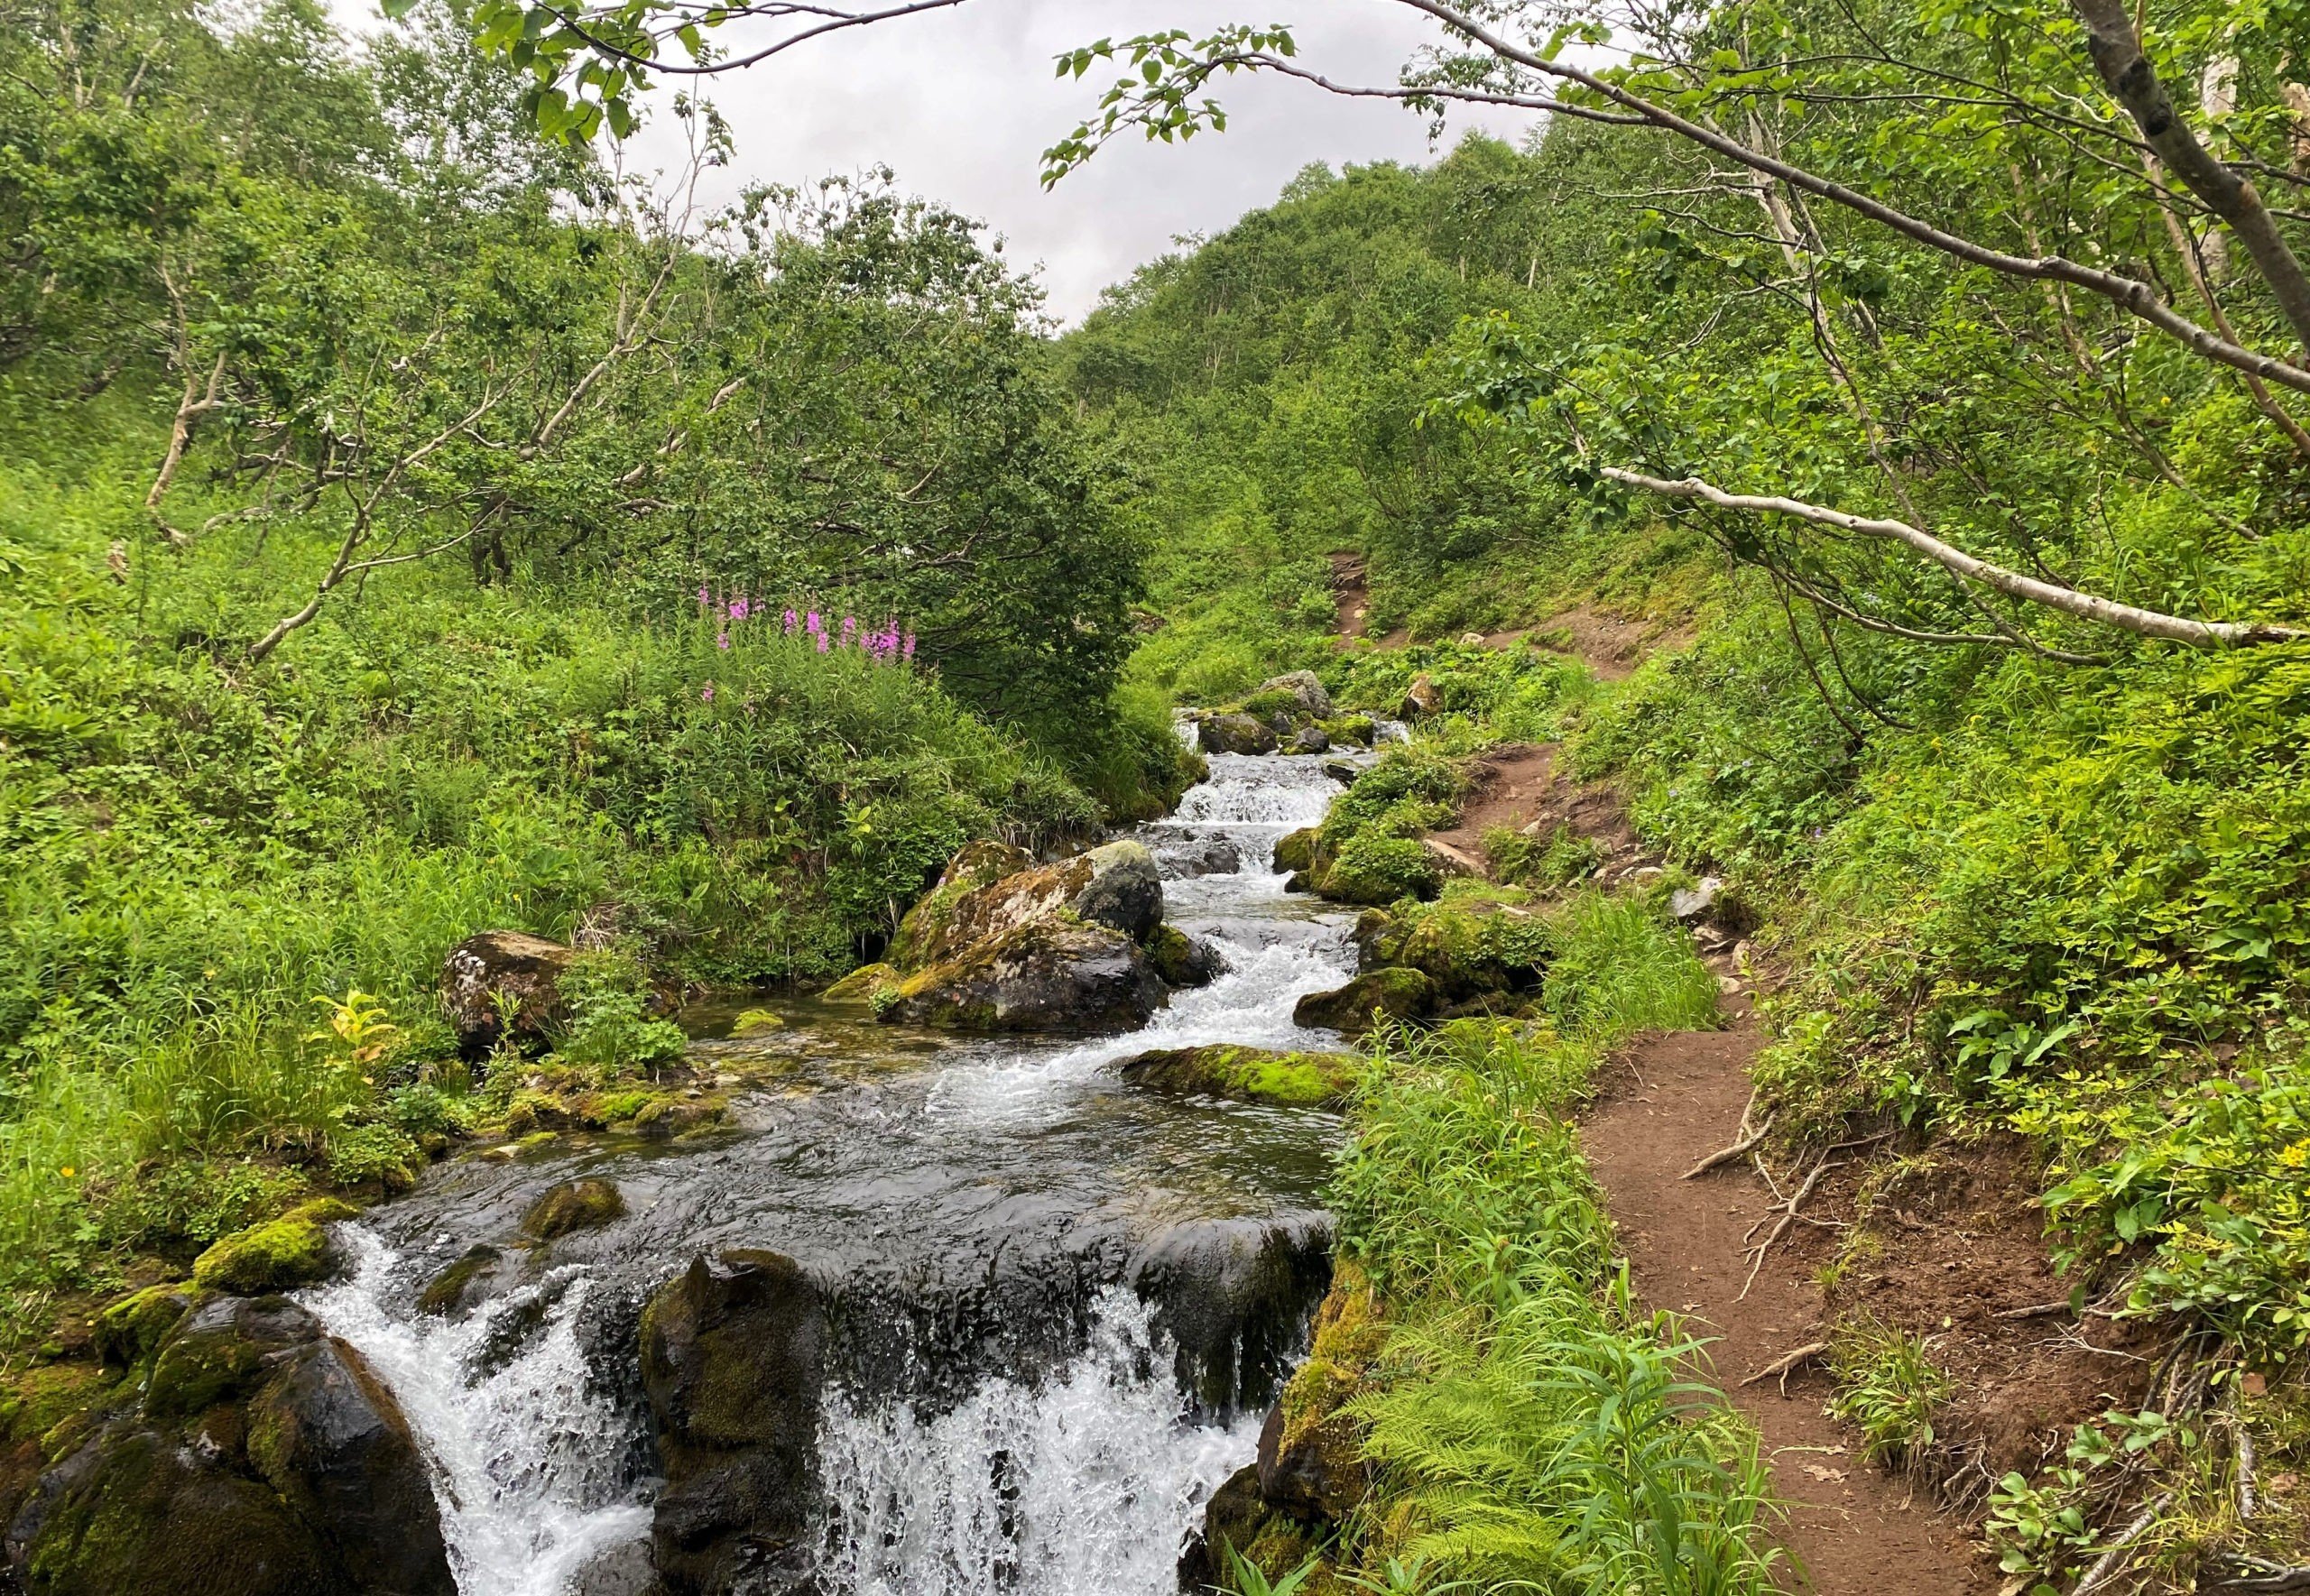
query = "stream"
{"x": 1061, "y": 1304}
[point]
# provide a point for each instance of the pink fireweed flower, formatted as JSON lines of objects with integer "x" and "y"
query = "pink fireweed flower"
{"x": 722, "y": 640}
{"x": 706, "y": 693}
{"x": 813, "y": 625}
{"x": 908, "y": 652}
{"x": 822, "y": 640}
{"x": 703, "y": 598}
{"x": 739, "y": 609}
{"x": 849, "y": 626}
{"x": 790, "y": 623}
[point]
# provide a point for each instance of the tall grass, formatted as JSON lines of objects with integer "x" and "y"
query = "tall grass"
{"x": 1533, "y": 1426}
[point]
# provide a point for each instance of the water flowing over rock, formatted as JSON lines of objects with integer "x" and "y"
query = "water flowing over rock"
{"x": 1237, "y": 734}
{"x": 935, "y": 1313}
{"x": 1045, "y": 977}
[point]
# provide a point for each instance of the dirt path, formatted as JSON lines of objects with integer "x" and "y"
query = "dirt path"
{"x": 1672, "y": 1099}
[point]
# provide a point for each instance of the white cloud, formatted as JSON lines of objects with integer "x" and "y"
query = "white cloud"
{"x": 962, "y": 103}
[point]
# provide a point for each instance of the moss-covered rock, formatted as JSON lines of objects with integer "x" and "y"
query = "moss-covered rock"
{"x": 1118, "y": 886}
{"x": 1303, "y": 690}
{"x": 456, "y": 1289}
{"x": 503, "y": 986}
{"x": 926, "y": 934}
{"x": 276, "y": 1256}
{"x": 1311, "y": 1450}
{"x": 1048, "y": 975}
{"x": 1474, "y": 942}
{"x": 1296, "y": 850}
{"x": 733, "y": 1359}
{"x": 574, "y": 1206}
{"x": 859, "y": 985}
{"x": 1248, "y": 1074}
{"x": 1376, "y": 869}
{"x": 1394, "y": 993}
{"x": 128, "y": 1329}
{"x": 1236, "y": 733}
{"x": 1182, "y": 960}
{"x": 1356, "y": 729}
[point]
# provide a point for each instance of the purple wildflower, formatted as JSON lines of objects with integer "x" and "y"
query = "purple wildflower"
{"x": 813, "y": 625}
{"x": 909, "y": 651}
{"x": 703, "y": 598}
{"x": 822, "y": 639}
{"x": 849, "y": 626}
{"x": 739, "y": 609}
{"x": 790, "y": 623}
{"x": 722, "y": 640}
{"x": 706, "y": 693}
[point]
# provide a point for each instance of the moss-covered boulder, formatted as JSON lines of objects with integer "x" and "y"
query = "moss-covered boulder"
{"x": 574, "y": 1206}
{"x": 923, "y": 934}
{"x": 1302, "y": 691}
{"x": 1311, "y": 1451}
{"x": 503, "y": 985}
{"x": 1248, "y": 1074}
{"x": 1238, "y": 1518}
{"x": 276, "y": 1256}
{"x": 130, "y": 1328}
{"x": 733, "y": 1362}
{"x": 1182, "y": 960}
{"x": 1391, "y": 993}
{"x": 1118, "y": 886}
{"x": 1474, "y": 942}
{"x": 1374, "y": 869}
{"x": 1308, "y": 740}
{"x": 859, "y": 986}
{"x": 264, "y": 1459}
{"x": 1056, "y": 974}
{"x": 1236, "y": 733}
{"x": 1358, "y": 730}
{"x": 1296, "y": 850}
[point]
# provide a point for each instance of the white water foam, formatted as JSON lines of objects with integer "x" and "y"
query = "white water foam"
{"x": 1079, "y": 1488}
{"x": 528, "y": 1461}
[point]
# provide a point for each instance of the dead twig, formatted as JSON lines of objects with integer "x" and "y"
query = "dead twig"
{"x": 2260, "y": 1574}
{"x": 1786, "y": 1364}
{"x": 2247, "y": 1504}
{"x": 2036, "y": 1310}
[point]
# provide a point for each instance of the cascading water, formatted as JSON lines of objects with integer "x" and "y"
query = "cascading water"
{"x": 1034, "y": 1395}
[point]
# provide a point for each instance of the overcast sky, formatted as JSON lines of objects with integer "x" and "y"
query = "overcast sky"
{"x": 962, "y": 103}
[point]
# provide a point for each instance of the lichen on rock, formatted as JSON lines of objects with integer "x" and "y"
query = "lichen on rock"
{"x": 1391, "y": 993}
{"x": 1248, "y": 1074}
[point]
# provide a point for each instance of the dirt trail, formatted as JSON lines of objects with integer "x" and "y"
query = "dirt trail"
{"x": 1671, "y": 1100}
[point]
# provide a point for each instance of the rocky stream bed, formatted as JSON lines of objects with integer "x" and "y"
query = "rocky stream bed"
{"x": 931, "y": 1312}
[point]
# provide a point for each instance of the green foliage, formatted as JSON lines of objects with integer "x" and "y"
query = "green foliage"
{"x": 1887, "y": 1388}
{"x": 1371, "y": 868}
{"x": 1561, "y": 859}
{"x": 1532, "y": 1426}
{"x": 611, "y": 1026}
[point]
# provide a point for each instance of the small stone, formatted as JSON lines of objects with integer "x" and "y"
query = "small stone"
{"x": 1689, "y": 903}
{"x": 574, "y": 1206}
{"x": 1472, "y": 640}
{"x": 1310, "y": 740}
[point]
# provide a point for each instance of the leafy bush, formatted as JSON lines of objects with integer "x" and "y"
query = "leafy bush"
{"x": 610, "y": 1025}
{"x": 1377, "y": 868}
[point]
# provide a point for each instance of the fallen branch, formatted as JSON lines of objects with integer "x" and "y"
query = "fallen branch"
{"x": 2113, "y": 1562}
{"x": 1786, "y": 1364}
{"x": 2036, "y": 1310}
{"x": 1734, "y": 1154}
{"x": 2247, "y": 1505}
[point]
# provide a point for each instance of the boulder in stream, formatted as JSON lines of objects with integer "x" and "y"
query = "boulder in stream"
{"x": 1391, "y": 993}
{"x": 263, "y": 1458}
{"x": 1117, "y": 886}
{"x": 1305, "y": 688}
{"x": 504, "y": 983}
{"x": 733, "y": 1359}
{"x": 1236, "y": 733}
{"x": 1247, "y": 1075}
{"x": 1046, "y": 975}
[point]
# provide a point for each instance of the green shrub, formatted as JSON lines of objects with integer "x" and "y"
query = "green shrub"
{"x": 1887, "y": 1388}
{"x": 610, "y": 1025}
{"x": 1377, "y": 869}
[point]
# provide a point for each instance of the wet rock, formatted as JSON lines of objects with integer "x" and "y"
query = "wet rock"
{"x": 1233, "y": 1297}
{"x": 1048, "y": 975}
{"x": 1310, "y": 1455}
{"x": 129, "y": 1329}
{"x": 1238, "y": 1516}
{"x": 860, "y": 983}
{"x": 574, "y": 1206}
{"x": 1308, "y": 740}
{"x": 1182, "y": 960}
{"x": 1306, "y": 691}
{"x": 1247, "y": 1075}
{"x": 1236, "y": 733}
{"x": 473, "y": 1279}
{"x": 326, "y": 1435}
{"x": 263, "y": 1460}
{"x": 1341, "y": 772}
{"x": 1421, "y": 699}
{"x": 1469, "y": 947}
{"x": 1296, "y": 850}
{"x": 278, "y": 1255}
{"x": 1356, "y": 729}
{"x": 927, "y": 934}
{"x": 1124, "y": 892}
{"x": 1393, "y": 993}
{"x": 1190, "y": 856}
{"x": 514, "y": 964}
{"x": 733, "y": 1359}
